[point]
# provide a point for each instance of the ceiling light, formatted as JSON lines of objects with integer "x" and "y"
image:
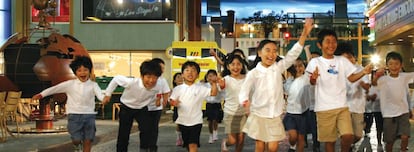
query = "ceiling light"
{"x": 400, "y": 40}
{"x": 391, "y": 43}
{"x": 410, "y": 36}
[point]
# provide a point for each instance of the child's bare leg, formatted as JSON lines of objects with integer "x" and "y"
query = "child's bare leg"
{"x": 388, "y": 146}
{"x": 404, "y": 143}
{"x": 329, "y": 146}
{"x": 293, "y": 137}
{"x": 300, "y": 147}
{"x": 239, "y": 142}
{"x": 210, "y": 126}
{"x": 260, "y": 146}
{"x": 192, "y": 147}
{"x": 87, "y": 145}
{"x": 346, "y": 142}
{"x": 272, "y": 146}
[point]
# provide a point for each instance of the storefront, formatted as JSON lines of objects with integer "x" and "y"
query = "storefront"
{"x": 392, "y": 29}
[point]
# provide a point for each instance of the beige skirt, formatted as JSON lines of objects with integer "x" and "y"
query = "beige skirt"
{"x": 234, "y": 123}
{"x": 264, "y": 129}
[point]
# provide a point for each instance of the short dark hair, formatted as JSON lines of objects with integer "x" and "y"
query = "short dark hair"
{"x": 158, "y": 60}
{"x": 79, "y": 61}
{"x": 325, "y": 32}
{"x": 394, "y": 56}
{"x": 150, "y": 67}
{"x": 344, "y": 48}
{"x": 174, "y": 78}
{"x": 190, "y": 64}
{"x": 208, "y": 72}
{"x": 240, "y": 51}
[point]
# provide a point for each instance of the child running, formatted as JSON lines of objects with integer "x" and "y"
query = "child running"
{"x": 234, "y": 115}
{"x": 137, "y": 95}
{"x": 355, "y": 93}
{"x": 297, "y": 108}
{"x": 188, "y": 98}
{"x": 393, "y": 101}
{"x": 177, "y": 80}
{"x": 213, "y": 106}
{"x": 329, "y": 74}
{"x": 80, "y": 106}
{"x": 373, "y": 111}
{"x": 262, "y": 92}
{"x": 155, "y": 108}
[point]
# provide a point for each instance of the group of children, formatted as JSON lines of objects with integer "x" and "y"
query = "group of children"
{"x": 330, "y": 88}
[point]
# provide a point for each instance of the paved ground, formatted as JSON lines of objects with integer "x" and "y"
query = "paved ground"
{"x": 107, "y": 133}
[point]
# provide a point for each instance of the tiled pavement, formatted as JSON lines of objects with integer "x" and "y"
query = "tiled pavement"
{"x": 107, "y": 133}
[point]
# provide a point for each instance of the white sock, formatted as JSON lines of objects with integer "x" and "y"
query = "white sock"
{"x": 178, "y": 134}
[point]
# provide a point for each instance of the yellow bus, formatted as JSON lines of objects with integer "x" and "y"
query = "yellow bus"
{"x": 197, "y": 51}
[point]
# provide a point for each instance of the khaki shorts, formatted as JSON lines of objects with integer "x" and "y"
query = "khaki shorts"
{"x": 264, "y": 129}
{"x": 358, "y": 123}
{"x": 234, "y": 123}
{"x": 332, "y": 123}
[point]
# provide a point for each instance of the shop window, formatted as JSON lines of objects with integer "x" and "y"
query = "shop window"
{"x": 123, "y": 63}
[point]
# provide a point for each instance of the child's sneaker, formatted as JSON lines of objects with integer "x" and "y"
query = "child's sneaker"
{"x": 215, "y": 137}
{"x": 224, "y": 146}
{"x": 179, "y": 142}
{"x": 210, "y": 139}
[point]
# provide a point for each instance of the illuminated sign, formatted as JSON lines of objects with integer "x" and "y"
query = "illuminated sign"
{"x": 394, "y": 14}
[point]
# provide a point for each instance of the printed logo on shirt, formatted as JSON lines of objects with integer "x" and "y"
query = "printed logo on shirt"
{"x": 332, "y": 70}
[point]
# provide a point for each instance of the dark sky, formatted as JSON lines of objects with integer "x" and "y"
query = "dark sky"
{"x": 245, "y": 8}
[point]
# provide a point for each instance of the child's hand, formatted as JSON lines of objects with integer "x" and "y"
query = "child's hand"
{"x": 174, "y": 103}
{"x": 315, "y": 74}
{"x": 222, "y": 83}
{"x": 380, "y": 72}
{"x": 307, "y": 47}
{"x": 308, "y": 26}
{"x": 212, "y": 52}
{"x": 158, "y": 100}
{"x": 368, "y": 68}
{"x": 246, "y": 106}
{"x": 106, "y": 100}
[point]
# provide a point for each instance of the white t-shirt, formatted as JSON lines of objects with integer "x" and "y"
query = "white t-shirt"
{"x": 393, "y": 94}
{"x": 356, "y": 94}
{"x": 164, "y": 89}
{"x": 81, "y": 95}
{"x": 232, "y": 90}
{"x": 214, "y": 99}
{"x": 373, "y": 106}
{"x": 296, "y": 101}
{"x": 191, "y": 98}
{"x": 330, "y": 87}
{"x": 267, "y": 86}
{"x": 135, "y": 95}
{"x": 310, "y": 89}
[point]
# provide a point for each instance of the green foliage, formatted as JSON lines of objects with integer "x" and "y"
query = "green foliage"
{"x": 267, "y": 21}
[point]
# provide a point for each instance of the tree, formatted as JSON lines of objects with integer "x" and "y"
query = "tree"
{"x": 267, "y": 22}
